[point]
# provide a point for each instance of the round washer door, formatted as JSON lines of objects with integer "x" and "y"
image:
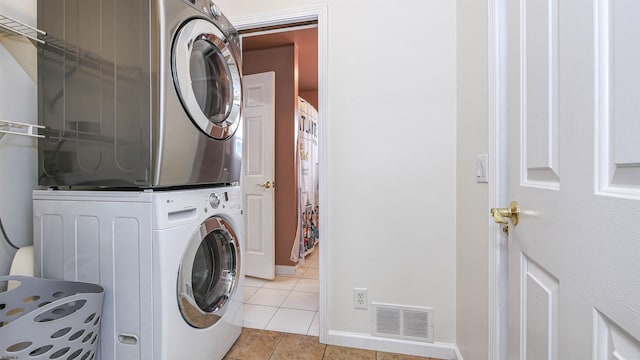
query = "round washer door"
{"x": 209, "y": 272}
{"x": 207, "y": 78}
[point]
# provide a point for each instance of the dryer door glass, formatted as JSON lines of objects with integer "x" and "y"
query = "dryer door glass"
{"x": 206, "y": 76}
{"x": 210, "y": 80}
{"x": 208, "y": 273}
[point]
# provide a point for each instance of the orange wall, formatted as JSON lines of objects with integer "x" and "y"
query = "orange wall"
{"x": 311, "y": 96}
{"x": 284, "y": 62}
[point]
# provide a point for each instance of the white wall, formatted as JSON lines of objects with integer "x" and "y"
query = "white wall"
{"x": 392, "y": 154}
{"x": 472, "y": 206}
{"x": 18, "y": 155}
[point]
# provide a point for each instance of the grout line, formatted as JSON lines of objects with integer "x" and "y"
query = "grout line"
{"x": 271, "y": 318}
{"x": 282, "y": 335}
{"x": 324, "y": 352}
{"x": 252, "y": 295}
{"x": 310, "y": 325}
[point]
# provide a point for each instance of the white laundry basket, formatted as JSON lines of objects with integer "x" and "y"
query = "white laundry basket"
{"x": 49, "y": 319}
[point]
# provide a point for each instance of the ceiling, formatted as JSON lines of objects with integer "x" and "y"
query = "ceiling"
{"x": 307, "y": 42}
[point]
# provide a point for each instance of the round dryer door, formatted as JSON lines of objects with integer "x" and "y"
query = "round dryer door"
{"x": 207, "y": 78}
{"x": 208, "y": 274}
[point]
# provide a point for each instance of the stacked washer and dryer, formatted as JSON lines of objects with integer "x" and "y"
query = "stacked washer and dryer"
{"x": 140, "y": 170}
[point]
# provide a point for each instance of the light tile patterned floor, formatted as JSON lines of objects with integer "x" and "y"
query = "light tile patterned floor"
{"x": 256, "y": 344}
{"x": 288, "y": 303}
{"x": 281, "y": 322}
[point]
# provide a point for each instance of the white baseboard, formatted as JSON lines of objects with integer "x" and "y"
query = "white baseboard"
{"x": 416, "y": 348}
{"x": 285, "y": 270}
{"x": 457, "y": 353}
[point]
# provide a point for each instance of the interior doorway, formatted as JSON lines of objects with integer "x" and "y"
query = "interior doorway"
{"x": 291, "y": 301}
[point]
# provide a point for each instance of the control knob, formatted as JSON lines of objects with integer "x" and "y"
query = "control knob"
{"x": 215, "y": 11}
{"x": 214, "y": 200}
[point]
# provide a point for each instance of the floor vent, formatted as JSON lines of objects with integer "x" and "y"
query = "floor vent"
{"x": 402, "y": 322}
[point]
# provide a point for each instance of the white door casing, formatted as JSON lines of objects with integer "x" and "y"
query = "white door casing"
{"x": 258, "y": 174}
{"x": 574, "y": 167}
{"x": 317, "y": 13}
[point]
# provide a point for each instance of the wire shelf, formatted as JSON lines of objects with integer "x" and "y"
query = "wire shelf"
{"x": 17, "y": 128}
{"x": 16, "y": 27}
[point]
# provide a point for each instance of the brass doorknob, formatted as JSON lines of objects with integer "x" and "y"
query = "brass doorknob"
{"x": 266, "y": 185}
{"x": 512, "y": 212}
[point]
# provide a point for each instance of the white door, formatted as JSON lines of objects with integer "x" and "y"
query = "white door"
{"x": 574, "y": 167}
{"x": 258, "y": 174}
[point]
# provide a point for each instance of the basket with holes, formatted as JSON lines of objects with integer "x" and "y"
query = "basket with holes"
{"x": 49, "y": 319}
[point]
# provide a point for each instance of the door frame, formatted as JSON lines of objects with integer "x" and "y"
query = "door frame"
{"x": 497, "y": 176}
{"x": 278, "y": 18}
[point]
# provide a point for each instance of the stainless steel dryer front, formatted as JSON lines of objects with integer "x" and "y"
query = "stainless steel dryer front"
{"x": 138, "y": 93}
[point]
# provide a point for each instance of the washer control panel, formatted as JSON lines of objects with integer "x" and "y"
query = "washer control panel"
{"x": 233, "y": 198}
{"x": 214, "y": 200}
{"x": 226, "y": 199}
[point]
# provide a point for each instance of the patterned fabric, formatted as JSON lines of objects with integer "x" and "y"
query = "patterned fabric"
{"x": 308, "y": 230}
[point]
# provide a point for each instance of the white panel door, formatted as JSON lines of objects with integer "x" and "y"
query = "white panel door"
{"x": 574, "y": 166}
{"x": 258, "y": 174}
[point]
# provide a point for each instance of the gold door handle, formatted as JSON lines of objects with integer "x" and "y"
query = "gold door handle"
{"x": 512, "y": 212}
{"x": 266, "y": 185}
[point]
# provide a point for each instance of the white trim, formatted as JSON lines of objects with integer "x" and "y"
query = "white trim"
{"x": 457, "y": 353}
{"x": 284, "y": 17}
{"x": 281, "y": 30}
{"x": 319, "y": 13}
{"x": 604, "y": 165}
{"x": 286, "y": 270}
{"x": 323, "y": 156}
{"x": 497, "y": 175}
{"x": 416, "y": 348}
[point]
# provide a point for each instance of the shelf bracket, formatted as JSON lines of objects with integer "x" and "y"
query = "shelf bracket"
{"x": 21, "y": 40}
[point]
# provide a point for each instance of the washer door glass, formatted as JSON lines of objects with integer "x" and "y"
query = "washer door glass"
{"x": 208, "y": 273}
{"x": 207, "y": 78}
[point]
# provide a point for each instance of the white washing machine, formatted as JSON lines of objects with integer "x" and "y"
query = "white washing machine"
{"x": 170, "y": 263}
{"x": 207, "y": 256}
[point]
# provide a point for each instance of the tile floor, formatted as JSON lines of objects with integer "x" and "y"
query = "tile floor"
{"x": 255, "y": 344}
{"x": 281, "y": 321}
{"x": 288, "y": 303}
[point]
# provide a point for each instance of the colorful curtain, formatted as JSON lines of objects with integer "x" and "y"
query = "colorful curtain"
{"x": 308, "y": 230}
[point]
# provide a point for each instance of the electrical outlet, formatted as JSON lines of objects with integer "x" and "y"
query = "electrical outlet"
{"x": 360, "y": 300}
